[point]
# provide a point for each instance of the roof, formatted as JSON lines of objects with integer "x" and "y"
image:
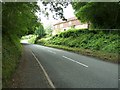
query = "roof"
{"x": 69, "y": 19}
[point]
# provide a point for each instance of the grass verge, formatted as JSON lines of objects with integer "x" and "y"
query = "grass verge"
{"x": 98, "y": 54}
{"x": 11, "y": 53}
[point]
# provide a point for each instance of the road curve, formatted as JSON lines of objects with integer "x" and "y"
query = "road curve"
{"x": 70, "y": 70}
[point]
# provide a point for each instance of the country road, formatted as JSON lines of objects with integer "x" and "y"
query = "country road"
{"x": 70, "y": 70}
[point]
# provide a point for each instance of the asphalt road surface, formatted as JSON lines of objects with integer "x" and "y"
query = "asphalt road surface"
{"x": 65, "y": 69}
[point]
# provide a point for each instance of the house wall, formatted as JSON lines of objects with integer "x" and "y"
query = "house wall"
{"x": 60, "y": 27}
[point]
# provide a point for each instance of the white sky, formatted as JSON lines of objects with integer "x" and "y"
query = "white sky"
{"x": 68, "y": 13}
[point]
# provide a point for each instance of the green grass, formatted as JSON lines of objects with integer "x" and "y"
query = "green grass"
{"x": 11, "y": 53}
{"x": 102, "y": 44}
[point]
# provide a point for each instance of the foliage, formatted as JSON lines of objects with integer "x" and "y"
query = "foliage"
{"x": 18, "y": 19}
{"x": 101, "y": 15}
{"x": 11, "y": 49}
{"x": 32, "y": 39}
{"x": 48, "y": 30}
{"x": 111, "y": 57}
{"x": 40, "y": 32}
{"x": 28, "y": 38}
{"x": 42, "y": 41}
{"x": 106, "y": 41}
{"x": 56, "y": 8}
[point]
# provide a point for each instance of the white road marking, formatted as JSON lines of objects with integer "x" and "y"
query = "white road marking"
{"x": 49, "y": 80}
{"x": 51, "y": 51}
{"x": 75, "y": 61}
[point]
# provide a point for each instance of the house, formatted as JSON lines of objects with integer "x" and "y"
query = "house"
{"x": 65, "y": 25}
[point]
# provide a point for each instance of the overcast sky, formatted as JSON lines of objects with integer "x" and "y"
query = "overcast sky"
{"x": 68, "y": 13}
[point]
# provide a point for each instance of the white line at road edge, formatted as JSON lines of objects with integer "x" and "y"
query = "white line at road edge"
{"x": 49, "y": 80}
{"x": 52, "y": 52}
{"x": 75, "y": 61}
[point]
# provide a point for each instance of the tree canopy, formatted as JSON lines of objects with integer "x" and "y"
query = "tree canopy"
{"x": 19, "y": 18}
{"x": 101, "y": 15}
{"x": 40, "y": 31}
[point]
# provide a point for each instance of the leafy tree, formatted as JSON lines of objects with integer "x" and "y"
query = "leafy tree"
{"x": 101, "y": 15}
{"x": 19, "y": 17}
{"x": 48, "y": 29}
{"x": 40, "y": 32}
{"x": 56, "y": 8}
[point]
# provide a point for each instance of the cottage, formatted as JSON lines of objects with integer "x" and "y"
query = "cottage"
{"x": 65, "y": 25}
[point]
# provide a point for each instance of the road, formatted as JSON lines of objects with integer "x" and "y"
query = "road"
{"x": 70, "y": 70}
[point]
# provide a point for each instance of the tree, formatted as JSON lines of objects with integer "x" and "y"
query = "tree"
{"x": 55, "y": 7}
{"x": 39, "y": 32}
{"x": 48, "y": 29}
{"x": 19, "y": 17}
{"x": 101, "y": 15}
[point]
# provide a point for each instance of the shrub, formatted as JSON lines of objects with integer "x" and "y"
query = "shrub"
{"x": 106, "y": 41}
{"x": 11, "y": 52}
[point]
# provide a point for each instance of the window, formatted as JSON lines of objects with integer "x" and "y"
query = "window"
{"x": 61, "y": 25}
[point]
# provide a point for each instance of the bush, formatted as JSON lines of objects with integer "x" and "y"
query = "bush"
{"x": 32, "y": 39}
{"x": 106, "y": 41}
{"x": 11, "y": 52}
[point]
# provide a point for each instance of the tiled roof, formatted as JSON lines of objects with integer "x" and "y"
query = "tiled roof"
{"x": 69, "y": 19}
{"x": 72, "y": 18}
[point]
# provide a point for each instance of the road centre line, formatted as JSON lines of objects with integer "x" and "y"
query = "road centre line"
{"x": 75, "y": 61}
{"x": 47, "y": 77}
{"x": 51, "y": 51}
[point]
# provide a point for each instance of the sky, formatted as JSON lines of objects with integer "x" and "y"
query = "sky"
{"x": 68, "y": 13}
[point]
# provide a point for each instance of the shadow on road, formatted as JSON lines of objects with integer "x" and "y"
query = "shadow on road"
{"x": 25, "y": 43}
